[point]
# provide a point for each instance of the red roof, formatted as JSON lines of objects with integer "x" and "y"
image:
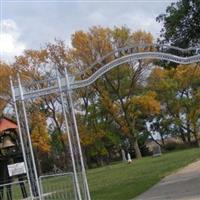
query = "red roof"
{"x": 6, "y": 123}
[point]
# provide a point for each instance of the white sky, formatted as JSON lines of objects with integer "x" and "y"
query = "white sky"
{"x": 30, "y": 24}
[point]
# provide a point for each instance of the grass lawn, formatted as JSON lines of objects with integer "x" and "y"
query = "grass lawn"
{"x": 125, "y": 181}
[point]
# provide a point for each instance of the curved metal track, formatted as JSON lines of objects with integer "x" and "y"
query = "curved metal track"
{"x": 132, "y": 57}
{"x": 134, "y": 49}
{"x": 50, "y": 86}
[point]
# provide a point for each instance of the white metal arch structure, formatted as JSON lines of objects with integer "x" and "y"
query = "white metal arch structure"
{"x": 130, "y": 49}
{"x": 132, "y": 57}
{"x": 64, "y": 86}
{"x": 123, "y": 55}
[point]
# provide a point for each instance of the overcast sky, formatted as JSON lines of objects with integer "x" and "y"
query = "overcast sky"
{"x": 30, "y": 24}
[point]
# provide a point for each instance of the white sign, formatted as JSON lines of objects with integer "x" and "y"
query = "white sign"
{"x": 16, "y": 169}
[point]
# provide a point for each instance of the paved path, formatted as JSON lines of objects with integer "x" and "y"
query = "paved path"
{"x": 183, "y": 185}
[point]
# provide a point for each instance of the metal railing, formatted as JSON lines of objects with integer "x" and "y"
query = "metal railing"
{"x": 15, "y": 191}
{"x": 53, "y": 187}
{"x": 58, "y": 187}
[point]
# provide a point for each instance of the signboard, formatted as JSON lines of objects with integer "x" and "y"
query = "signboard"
{"x": 16, "y": 169}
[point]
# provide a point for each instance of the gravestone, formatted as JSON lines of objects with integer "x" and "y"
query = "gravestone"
{"x": 157, "y": 151}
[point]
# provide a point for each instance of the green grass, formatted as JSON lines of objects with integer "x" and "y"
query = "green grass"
{"x": 119, "y": 181}
{"x": 125, "y": 181}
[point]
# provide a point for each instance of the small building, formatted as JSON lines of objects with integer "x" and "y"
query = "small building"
{"x": 10, "y": 154}
{"x": 6, "y": 124}
{"x": 8, "y": 130}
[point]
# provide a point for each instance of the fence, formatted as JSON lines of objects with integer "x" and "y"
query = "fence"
{"x": 53, "y": 187}
{"x": 58, "y": 186}
{"x": 15, "y": 191}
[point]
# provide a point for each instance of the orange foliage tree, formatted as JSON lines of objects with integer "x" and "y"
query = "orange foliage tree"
{"x": 5, "y": 95}
{"x": 115, "y": 89}
{"x": 39, "y": 132}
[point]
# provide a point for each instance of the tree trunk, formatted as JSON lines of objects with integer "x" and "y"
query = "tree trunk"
{"x": 198, "y": 143}
{"x": 37, "y": 161}
{"x": 85, "y": 160}
{"x": 188, "y": 132}
{"x": 162, "y": 139}
{"x": 137, "y": 149}
{"x": 182, "y": 135}
{"x": 189, "y": 137}
{"x": 197, "y": 139}
{"x": 100, "y": 161}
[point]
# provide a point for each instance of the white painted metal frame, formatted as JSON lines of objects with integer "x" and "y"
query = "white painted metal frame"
{"x": 65, "y": 85}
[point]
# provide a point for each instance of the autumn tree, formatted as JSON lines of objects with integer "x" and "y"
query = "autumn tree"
{"x": 116, "y": 88}
{"x": 39, "y": 132}
{"x": 99, "y": 134}
{"x": 36, "y": 65}
{"x": 114, "y": 91}
{"x": 5, "y": 94}
{"x": 178, "y": 91}
{"x": 39, "y": 137}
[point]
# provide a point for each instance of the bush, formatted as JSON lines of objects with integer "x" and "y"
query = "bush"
{"x": 178, "y": 146}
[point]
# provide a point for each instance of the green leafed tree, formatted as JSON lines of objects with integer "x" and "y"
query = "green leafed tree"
{"x": 181, "y": 24}
{"x": 178, "y": 92}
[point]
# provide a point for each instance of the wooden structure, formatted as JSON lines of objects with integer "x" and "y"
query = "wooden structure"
{"x": 7, "y": 124}
{"x": 10, "y": 152}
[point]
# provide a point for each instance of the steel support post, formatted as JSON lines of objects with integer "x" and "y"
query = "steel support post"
{"x": 85, "y": 192}
{"x": 76, "y": 182}
{"x": 34, "y": 181}
{"x": 21, "y": 138}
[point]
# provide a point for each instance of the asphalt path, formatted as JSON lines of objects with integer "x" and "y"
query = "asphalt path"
{"x": 182, "y": 185}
